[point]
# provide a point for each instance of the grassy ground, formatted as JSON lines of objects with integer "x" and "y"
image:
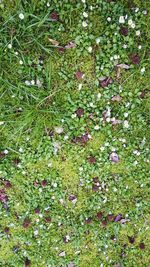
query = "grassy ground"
{"x": 74, "y": 133}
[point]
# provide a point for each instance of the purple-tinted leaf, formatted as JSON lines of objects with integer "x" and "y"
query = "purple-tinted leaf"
{"x": 118, "y": 218}
{"x": 114, "y": 157}
{"x": 104, "y": 83}
{"x": 70, "y": 45}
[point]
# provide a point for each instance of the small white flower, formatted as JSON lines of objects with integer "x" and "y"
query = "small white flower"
{"x": 20, "y": 62}
{"x": 139, "y": 47}
{"x": 21, "y": 16}
{"x": 135, "y": 162}
{"x": 38, "y": 83}
{"x": 143, "y": 70}
{"x": 48, "y": 4}
{"x": 106, "y": 144}
{"x": 66, "y": 137}
{"x": 115, "y": 56}
{"x": 80, "y": 86}
{"x": 121, "y": 19}
{"x": 138, "y": 33}
{"x": 126, "y": 114}
{"x": 91, "y": 105}
{"x": 32, "y": 82}
{"x": 90, "y": 49}
{"x": 91, "y": 8}
{"x": 99, "y": 96}
{"x": 85, "y": 14}
{"x": 108, "y": 119}
{"x": 102, "y": 148}
{"x": 55, "y": 185}
{"x": 109, "y": 19}
{"x": 130, "y": 22}
{"x": 59, "y": 129}
{"x": 73, "y": 115}
{"x": 27, "y": 83}
{"x": 21, "y": 150}
{"x": 36, "y": 232}
{"x": 111, "y": 58}
{"x": 84, "y": 24}
{"x": 16, "y": 53}
{"x": 98, "y": 40}
{"x": 83, "y": 1}
{"x": 96, "y": 127}
{"x": 6, "y": 151}
{"x": 125, "y": 46}
{"x": 62, "y": 254}
{"x": 136, "y": 10}
{"x": 144, "y": 12}
{"x": 1, "y": 122}
{"x": 126, "y": 124}
{"x": 133, "y": 25}
{"x": 9, "y": 46}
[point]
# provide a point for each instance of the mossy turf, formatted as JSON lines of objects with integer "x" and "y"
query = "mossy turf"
{"x": 74, "y": 188}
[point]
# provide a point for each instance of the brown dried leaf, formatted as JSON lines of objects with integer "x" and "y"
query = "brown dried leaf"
{"x": 54, "y": 42}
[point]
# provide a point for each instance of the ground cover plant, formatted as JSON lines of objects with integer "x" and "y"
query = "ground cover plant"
{"x": 74, "y": 150}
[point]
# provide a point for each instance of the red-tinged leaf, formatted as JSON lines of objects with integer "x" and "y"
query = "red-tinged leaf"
{"x": 48, "y": 219}
{"x": 7, "y": 184}
{"x": 26, "y": 223}
{"x": 99, "y": 215}
{"x": 6, "y": 230}
{"x": 91, "y": 160}
{"x": 54, "y": 16}
{"x": 105, "y": 82}
{"x": 88, "y": 220}
{"x": 110, "y": 217}
{"x": 37, "y": 210}
{"x": 104, "y": 222}
{"x": 79, "y": 75}
{"x": 61, "y": 50}
{"x": 80, "y": 112}
{"x": 142, "y": 246}
{"x": 124, "y": 31}
{"x": 131, "y": 239}
{"x": 135, "y": 59}
{"x": 27, "y": 263}
{"x": 44, "y": 183}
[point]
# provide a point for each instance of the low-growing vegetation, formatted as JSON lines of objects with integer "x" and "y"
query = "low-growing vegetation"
{"x": 74, "y": 123}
